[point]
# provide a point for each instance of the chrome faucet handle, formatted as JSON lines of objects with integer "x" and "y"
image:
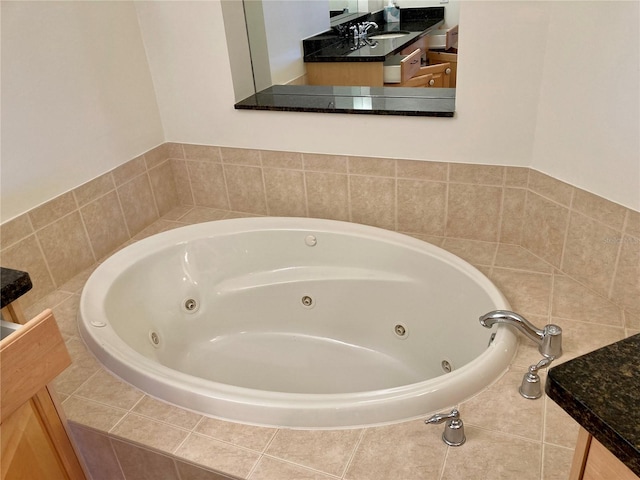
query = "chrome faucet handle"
{"x": 531, "y": 387}
{"x": 453, "y": 434}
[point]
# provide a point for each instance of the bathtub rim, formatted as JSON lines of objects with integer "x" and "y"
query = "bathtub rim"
{"x": 279, "y": 409}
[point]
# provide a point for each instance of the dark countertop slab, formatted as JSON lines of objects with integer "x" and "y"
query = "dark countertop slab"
{"x": 601, "y": 391}
{"x": 330, "y": 47}
{"x": 426, "y": 102}
{"x": 14, "y": 284}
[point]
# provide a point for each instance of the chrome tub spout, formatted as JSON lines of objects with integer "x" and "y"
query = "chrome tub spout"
{"x": 548, "y": 339}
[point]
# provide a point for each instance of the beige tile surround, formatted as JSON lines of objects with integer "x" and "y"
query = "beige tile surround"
{"x": 558, "y": 253}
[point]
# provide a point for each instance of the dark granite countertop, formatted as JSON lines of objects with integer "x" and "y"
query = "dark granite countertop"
{"x": 601, "y": 391}
{"x": 426, "y": 102}
{"x": 330, "y": 47}
{"x": 14, "y": 284}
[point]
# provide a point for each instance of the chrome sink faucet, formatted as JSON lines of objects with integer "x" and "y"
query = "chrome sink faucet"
{"x": 363, "y": 28}
{"x": 548, "y": 339}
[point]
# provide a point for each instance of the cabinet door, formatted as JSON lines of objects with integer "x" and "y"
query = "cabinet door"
{"x": 27, "y": 450}
{"x": 434, "y": 58}
{"x": 441, "y": 75}
{"x": 34, "y": 442}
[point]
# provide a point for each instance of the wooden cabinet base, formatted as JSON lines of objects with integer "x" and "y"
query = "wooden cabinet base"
{"x": 33, "y": 440}
{"x": 592, "y": 461}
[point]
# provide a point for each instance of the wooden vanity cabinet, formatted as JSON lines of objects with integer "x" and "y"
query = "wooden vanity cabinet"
{"x": 435, "y": 57}
{"x": 592, "y": 461}
{"x": 347, "y": 74}
{"x": 33, "y": 438}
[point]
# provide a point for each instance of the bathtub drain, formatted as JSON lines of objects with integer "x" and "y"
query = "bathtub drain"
{"x": 307, "y": 301}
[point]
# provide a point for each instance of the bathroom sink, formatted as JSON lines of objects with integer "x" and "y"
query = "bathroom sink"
{"x": 389, "y": 35}
{"x": 7, "y": 328}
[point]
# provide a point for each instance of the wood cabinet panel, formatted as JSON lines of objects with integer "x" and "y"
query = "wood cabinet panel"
{"x": 593, "y": 461}
{"x": 34, "y": 442}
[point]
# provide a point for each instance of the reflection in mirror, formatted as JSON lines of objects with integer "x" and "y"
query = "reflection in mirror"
{"x": 269, "y": 49}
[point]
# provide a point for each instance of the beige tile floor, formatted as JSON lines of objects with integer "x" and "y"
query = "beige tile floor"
{"x": 126, "y": 434}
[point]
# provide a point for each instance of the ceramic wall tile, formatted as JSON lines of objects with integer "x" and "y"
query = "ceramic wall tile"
{"x": 208, "y": 185}
{"x": 129, "y": 170}
{"x": 626, "y": 284}
{"x": 285, "y": 192}
{"x": 245, "y": 186}
{"x": 109, "y": 390}
{"x": 473, "y": 212}
{"x": 143, "y": 464}
{"x": 495, "y": 455}
{"x": 97, "y": 453}
{"x": 272, "y": 469}
{"x": 545, "y": 228}
{"x": 518, "y": 258}
{"x": 407, "y": 451}
{"x": 418, "y": 170}
{"x": 53, "y": 210}
{"x": 516, "y": 416}
{"x": 188, "y": 471}
{"x": 92, "y": 414}
{"x": 590, "y": 253}
{"x": 240, "y": 156}
{"x": 219, "y": 456}
{"x": 550, "y": 188}
{"x": 202, "y": 153}
{"x": 327, "y": 451}
{"x": 15, "y": 230}
{"x": 512, "y": 216}
{"x": 164, "y": 188}
{"x": 137, "y": 203}
{"x": 556, "y": 462}
{"x": 381, "y": 167}
{"x": 327, "y": 195}
{"x": 421, "y": 206}
{"x": 598, "y": 208}
{"x": 476, "y": 174}
{"x": 372, "y": 201}
{"x": 527, "y": 292}
{"x": 325, "y": 163}
{"x": 94, "y": 189}
{"x": 574, "y": 301}
{"x": 202, "y": 214}
{"x": 66, "y": 247}
{"x": 516, "y": 177}
{"x": 632, "y": 223}
{"x": 152, "y": 408}
{"x": 182, "y": 182}
{"x": 105, "y": 224}
{"x": 473, "y": 251}
{"x": 162, "y": 153}
{"x": 151, "y": 433}
{"x": 277, "y": 159}
{"x": 248, "y": 436}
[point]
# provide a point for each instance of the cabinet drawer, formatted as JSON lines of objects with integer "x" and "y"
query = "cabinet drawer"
{"x": 443, "y": 39}
{"x": 400, "y": 68}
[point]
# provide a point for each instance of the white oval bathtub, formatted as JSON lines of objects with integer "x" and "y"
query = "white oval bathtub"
{"x": 295, "y": 322}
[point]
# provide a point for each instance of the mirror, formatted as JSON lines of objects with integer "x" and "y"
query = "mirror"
{"x": 274, "y": 30}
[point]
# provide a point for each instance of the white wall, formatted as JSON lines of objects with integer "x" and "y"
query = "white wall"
{"x": 77, "y": 97}
{"x": 508, "y": 109}
{"x": 287, "y": 23}
{"x": 588, "y": 128}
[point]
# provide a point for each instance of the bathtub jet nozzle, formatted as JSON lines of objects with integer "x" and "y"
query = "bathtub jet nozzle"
{"x": 548, "y": 339}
